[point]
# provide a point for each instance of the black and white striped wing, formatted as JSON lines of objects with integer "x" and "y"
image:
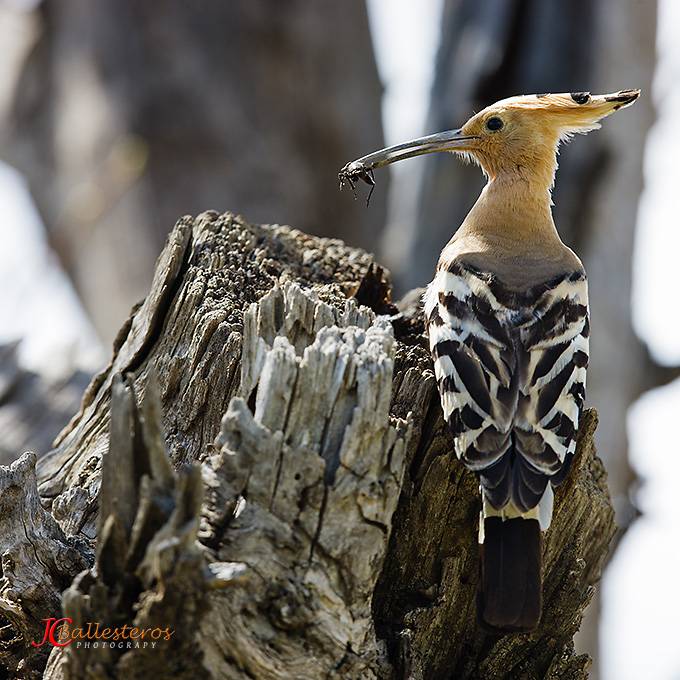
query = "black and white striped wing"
{"x": 552, "y": 390}
{"x": 511, "y": 374}
{"x": 475, "y": 365}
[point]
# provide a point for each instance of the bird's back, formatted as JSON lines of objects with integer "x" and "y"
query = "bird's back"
{"x": 509, "y": 339}
{"x": 510, "y": 349}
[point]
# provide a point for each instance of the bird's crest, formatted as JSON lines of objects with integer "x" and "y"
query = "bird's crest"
{"x": 515, "y": 136}
{"x": 571, "y": 112}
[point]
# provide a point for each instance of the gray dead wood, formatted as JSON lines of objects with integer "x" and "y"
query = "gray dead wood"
{"x": 337, "y": 534}
{"x": 150, "y": 572}
{"x": 38, "y": 562}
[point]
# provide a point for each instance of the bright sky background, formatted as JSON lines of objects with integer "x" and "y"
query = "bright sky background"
{"x": 642, "y": 588}
{"x": 655, "y": 311}
{"x": 405, "y": 36}
{"x": 37, "y": 302}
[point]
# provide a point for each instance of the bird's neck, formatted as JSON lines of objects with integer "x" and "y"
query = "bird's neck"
{"x": 513, "y": 210}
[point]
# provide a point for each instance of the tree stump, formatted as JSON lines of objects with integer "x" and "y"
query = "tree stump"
{"x": 263, "y": 469}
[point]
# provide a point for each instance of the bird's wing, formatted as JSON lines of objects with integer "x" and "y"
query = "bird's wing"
{"x": 475, "y": 365}
{"x": 553, "y": 378}
{"x": 511, "y": 376}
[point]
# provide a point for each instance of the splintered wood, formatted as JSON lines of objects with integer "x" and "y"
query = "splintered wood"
{"x": 318, "y": 462}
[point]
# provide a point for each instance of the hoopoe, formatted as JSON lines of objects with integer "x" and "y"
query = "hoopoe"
{"x": 508, "y": 325}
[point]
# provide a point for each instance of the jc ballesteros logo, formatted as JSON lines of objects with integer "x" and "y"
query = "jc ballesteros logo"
{"x": 92, "y": 635}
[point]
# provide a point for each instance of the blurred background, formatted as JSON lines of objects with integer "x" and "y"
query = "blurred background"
{"x": 117, "y": 117}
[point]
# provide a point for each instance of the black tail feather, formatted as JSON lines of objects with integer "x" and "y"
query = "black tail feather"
{"x": 510, "y": 596}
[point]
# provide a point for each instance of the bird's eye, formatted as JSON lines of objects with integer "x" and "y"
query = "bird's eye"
{"x": 494, "y": 123}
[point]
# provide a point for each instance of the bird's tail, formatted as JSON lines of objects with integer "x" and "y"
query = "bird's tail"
{"x": 510, "y": 587}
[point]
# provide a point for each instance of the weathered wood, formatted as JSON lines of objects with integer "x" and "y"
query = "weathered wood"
{"x": 150, "y": 572}
{"x": 319, "y": 462}
{"x": 38, "y": 562}
{"x": 337, "y": 536}
{"x": 188, "y": 330}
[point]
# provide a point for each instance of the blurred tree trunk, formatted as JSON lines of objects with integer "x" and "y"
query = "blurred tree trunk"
{"x": 33, "y": 409}
{"x": 491, "y": 50}
{"x": 128, "y": 114}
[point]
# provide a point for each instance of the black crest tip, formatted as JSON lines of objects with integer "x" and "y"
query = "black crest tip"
{"x": 581, "y": 97}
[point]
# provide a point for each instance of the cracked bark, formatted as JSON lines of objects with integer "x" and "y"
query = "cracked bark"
{"x": 275, "y": 483}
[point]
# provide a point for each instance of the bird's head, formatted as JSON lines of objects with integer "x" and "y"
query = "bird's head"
{"x": 517, "y": 136}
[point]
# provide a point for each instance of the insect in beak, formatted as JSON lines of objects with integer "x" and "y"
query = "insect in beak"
{"x": 362, "y": 168}
{"x": 352, "y": 176}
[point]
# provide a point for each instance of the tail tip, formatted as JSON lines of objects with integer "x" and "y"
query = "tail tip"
{"x": 510, "y": 597}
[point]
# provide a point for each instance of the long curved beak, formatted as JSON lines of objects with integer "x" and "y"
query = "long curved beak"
{"x": 362, "y": 168}
{"x": 451, "y": 140}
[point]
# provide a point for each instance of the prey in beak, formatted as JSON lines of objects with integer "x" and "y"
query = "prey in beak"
{"x": 362, "y": 168}
{"x": 516, "y": 135}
